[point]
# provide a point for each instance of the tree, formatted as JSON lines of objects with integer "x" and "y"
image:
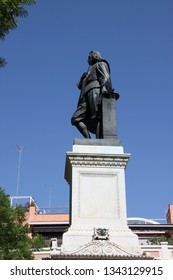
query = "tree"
{"x": 158, "y": 240}
{"x": 10, "y": 12}
{"x": 15, "y": 244}
{"x": 38, "y": 241}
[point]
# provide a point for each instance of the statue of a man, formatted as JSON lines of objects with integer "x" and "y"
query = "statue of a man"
{"x": 88, "y": 116}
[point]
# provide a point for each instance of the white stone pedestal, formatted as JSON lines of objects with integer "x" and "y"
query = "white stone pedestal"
{"x": 98, "y": 222}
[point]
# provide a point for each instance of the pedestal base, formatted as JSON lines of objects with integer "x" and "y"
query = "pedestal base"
{"x": 98, "y": 203}
{"x": 100, "y": 241}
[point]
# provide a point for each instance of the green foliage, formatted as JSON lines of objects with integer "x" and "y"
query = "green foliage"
{"x": 158, "y": 240}
{"x": 2, "y": 62}
{"x": 15, "y": 243}
{"x": 38, "y": 241}
{"x": 10, "y": 12}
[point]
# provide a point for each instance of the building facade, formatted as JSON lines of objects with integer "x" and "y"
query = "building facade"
{"x": 53, "y": 225}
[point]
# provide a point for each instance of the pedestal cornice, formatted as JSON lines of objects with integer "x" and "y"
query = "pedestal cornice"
{"x": 105, "y": 160}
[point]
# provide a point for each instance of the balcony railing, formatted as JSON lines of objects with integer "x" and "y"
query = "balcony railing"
{"x": 54, "y": 210}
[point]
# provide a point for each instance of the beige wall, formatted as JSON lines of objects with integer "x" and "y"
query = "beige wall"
{"x": 33, "y": 216}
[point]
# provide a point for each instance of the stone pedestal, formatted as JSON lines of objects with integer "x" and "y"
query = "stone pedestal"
{"x": 98, "y": 222}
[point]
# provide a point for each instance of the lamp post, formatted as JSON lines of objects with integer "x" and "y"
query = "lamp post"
{"x": 20, "y": 150}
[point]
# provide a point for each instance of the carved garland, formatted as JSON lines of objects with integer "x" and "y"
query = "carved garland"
{"x": 101, "y": 248}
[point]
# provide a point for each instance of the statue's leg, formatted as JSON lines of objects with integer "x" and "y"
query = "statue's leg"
{"x": 83, "y": 129}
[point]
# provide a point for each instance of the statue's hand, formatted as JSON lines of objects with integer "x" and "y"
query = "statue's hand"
{"x": 103, "y": 89}
{"x": 79, "y": 84}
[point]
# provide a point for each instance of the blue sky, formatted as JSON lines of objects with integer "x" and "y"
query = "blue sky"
{"x": 47, "y": 54}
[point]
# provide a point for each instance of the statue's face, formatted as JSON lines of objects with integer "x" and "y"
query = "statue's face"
{"x": 90, "y": 59}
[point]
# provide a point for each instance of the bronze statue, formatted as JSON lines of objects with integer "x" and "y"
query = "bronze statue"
{"x": 93, "y": 85}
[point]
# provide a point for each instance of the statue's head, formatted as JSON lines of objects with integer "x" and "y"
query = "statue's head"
{"x": 93, "y": 57}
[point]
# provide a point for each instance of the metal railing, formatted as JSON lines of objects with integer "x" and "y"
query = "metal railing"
{"x": 54, "y": 210}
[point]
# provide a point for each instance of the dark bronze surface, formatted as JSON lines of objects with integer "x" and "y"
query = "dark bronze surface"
{"x": 96, "y": 112}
